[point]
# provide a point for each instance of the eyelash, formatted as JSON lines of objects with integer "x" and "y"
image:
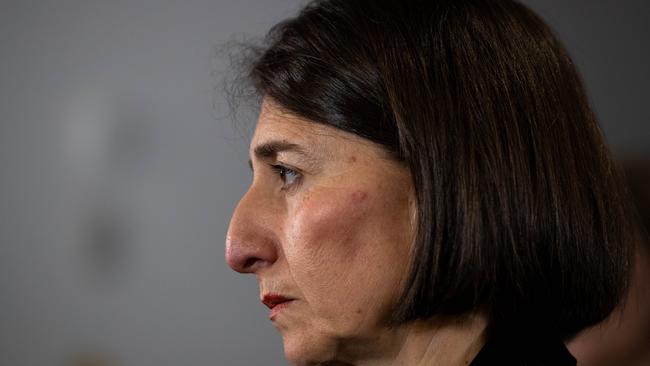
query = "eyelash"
{"x": 282, "y": 172}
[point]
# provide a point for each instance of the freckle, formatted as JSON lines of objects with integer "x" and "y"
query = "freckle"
{"x": 353, "y": 159}
{"x": 359, "y": 196}
{"x": 359, "y": 311}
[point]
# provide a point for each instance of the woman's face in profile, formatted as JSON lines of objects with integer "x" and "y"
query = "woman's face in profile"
{"x": 326, "y": 227}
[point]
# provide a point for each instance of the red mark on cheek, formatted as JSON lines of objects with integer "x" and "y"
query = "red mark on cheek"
{"x": 359, "y": 196}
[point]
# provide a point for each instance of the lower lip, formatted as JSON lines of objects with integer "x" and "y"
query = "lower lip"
{"x": 273, "y": 313}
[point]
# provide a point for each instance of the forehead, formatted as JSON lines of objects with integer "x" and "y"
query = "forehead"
{"x": 276, "y": 124}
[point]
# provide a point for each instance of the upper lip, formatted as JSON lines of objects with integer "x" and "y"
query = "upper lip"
{"x": 271, "y": 300}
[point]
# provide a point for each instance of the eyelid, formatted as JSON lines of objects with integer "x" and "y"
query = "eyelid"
{"x": 276, "y": 165}
{"x": 279, "y": 167}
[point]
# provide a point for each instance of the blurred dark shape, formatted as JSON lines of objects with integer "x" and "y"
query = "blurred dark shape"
{"x": 108, "y": 138}
{"x": 107, "y": 238}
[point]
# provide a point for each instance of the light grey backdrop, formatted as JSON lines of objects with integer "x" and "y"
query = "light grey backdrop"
{"x": 120, "y": 169}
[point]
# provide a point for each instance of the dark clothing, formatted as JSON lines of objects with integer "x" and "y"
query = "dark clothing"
{"x": 520, "y": 350}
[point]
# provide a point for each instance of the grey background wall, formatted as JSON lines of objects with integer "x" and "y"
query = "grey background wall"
{"x": 120, "y": 167}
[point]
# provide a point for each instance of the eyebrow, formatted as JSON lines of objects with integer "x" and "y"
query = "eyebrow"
{"x": 271, "y": 148}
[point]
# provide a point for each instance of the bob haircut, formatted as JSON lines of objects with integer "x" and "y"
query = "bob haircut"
{"x": 637, "y": 172}
{"x": 521, "y": 212}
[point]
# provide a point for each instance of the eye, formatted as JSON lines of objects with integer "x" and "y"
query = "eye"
{"x": 289, "y": 176}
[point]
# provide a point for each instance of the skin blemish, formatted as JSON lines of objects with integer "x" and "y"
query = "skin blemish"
{"x": 359, "y": 196}
{"x": 353, "y": 159}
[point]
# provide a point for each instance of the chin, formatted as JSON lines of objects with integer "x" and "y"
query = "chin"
{"x": 310, "y": 349}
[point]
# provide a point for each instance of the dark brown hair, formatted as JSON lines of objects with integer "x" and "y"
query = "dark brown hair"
{"x": 637, "y": 171}
{"x": 521, "y": 212}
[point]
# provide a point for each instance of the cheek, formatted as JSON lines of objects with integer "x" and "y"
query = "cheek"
{"x": 343, "y": 252}
{"x": 324, "y": 230}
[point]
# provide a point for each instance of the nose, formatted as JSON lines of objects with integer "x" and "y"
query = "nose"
{"x": 251, "y": 243}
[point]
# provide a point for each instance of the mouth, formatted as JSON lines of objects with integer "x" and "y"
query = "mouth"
{"x": 276, "y": 303}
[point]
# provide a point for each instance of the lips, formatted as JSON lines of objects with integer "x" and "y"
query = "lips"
{"x": 275, "y": 303}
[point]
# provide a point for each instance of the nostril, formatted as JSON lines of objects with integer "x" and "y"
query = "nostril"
{"x": 251, "y": 241}
{"x": 248, "y": 256}
{"x": 249, "y": 247}
{"x": 250, "y": 262}
{"x": 236, "y": 258}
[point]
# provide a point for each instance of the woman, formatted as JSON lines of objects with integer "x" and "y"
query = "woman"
{"x": 430, "y": 186}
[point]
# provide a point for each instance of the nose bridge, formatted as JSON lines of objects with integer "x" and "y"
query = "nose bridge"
{"x": 252, "y": 241}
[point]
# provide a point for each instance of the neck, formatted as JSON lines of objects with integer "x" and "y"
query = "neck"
{"x": 441, "y": 342}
